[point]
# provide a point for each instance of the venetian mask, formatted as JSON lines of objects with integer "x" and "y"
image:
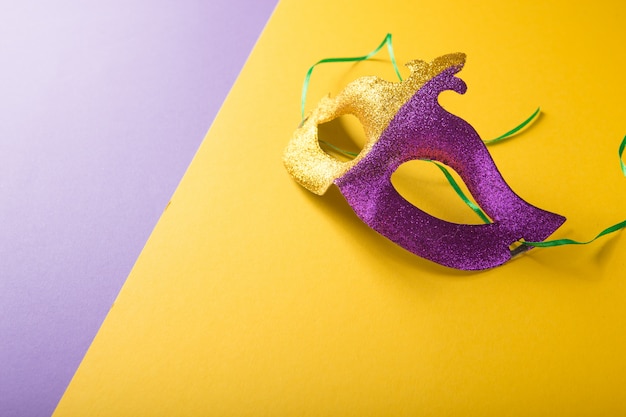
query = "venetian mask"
{"x": 402, "y": 122}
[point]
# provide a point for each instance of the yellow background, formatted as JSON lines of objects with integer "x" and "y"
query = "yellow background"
{"x": 255, "y": 297}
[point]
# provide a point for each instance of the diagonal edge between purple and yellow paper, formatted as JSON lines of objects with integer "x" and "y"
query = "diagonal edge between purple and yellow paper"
{"x": 247, "y": 301}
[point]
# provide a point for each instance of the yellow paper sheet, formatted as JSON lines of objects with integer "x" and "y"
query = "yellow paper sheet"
{"x": 254, "y": 297}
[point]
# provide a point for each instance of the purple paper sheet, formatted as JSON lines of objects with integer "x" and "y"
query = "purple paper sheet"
{"x": 102, "y": 106}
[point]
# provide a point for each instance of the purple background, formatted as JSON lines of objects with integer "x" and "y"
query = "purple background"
{"x": 102, "y": 107}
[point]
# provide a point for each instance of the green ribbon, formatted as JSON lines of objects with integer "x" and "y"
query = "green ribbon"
{"x": 614, "y": 228}
{"x": 349, "y": 154}
{"x": 561, "y": 242}
{"x": 386, "y": 41}
{"x": 460, "y": 192}
{"x": 516, "y": 129}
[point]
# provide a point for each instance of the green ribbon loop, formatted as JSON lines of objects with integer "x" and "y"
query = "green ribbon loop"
{"x": 386, "y": 41}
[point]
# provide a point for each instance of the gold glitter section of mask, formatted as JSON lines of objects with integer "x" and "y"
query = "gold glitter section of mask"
{"x": 374, "y": 102}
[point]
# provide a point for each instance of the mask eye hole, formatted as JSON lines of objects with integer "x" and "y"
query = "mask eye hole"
{"x": 422, "y": 184}
{"x": 342, "y": 138}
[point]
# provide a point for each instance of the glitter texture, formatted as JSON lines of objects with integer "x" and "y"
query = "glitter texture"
{"x": 403, "y": 122}
{"x": 374, "y": 102}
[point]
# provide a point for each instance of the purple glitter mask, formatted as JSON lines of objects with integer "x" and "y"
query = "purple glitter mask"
{"x": 403, "y": 122}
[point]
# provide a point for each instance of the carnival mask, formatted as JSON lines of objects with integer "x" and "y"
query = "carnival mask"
{"x": 403, "y": 122}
